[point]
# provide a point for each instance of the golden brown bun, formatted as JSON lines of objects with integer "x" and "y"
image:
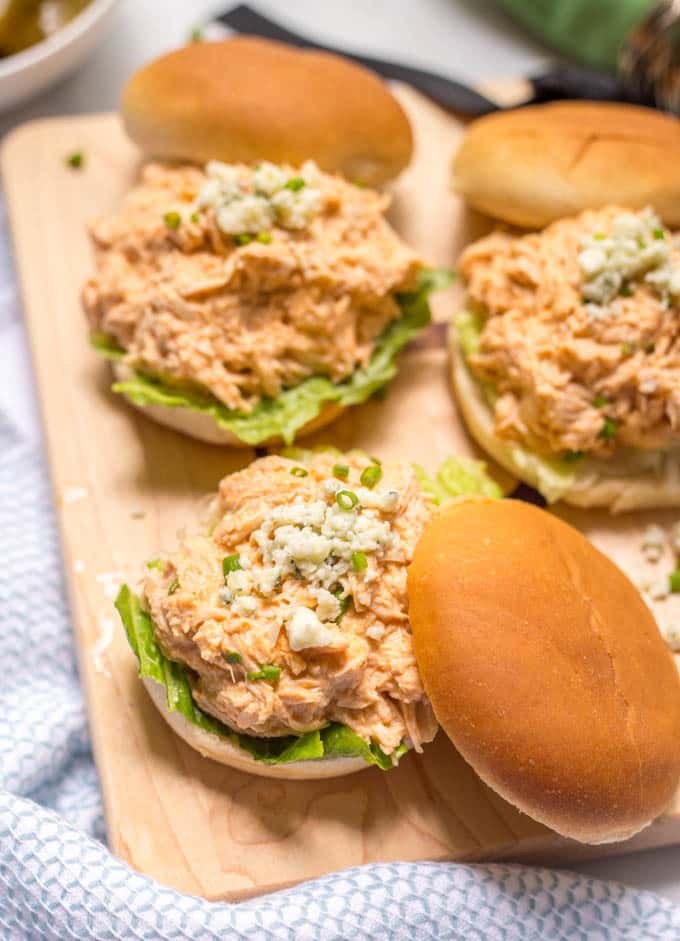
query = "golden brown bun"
{"x": 546, "y": 669}
{"x": 203, "y": 427}
{"x": 533, "y": 165}
{"x": 245, "y": 99}
{"x": 620, "y": 484}
{"x": 219, "y": 749}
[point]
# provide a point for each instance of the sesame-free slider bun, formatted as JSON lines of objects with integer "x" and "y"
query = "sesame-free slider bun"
{"x": 533, "y": 165}
{"x": 545, "y": 668}
{"x": 245, "y": 99}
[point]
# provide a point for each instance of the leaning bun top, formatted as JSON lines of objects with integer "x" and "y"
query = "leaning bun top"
{"x": 533, "y": 165}
{"x": 546, "y": 669}
{"x": 245, "y": 99}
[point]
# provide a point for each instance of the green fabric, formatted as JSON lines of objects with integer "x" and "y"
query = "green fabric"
{"x": 587, "y": 31}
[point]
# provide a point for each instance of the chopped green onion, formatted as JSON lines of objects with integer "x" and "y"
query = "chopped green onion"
{"x": 299, "y": 472}
{"x": 264, "y": 237}
{"x": 376, "y": 460}
{"x": 359, "y": 561}
{"x": 343, "y": 602}
{"x": 158, "y": 564}
{"x": 267, "y": 672}
{"x": 599, "y": 236}
{"x": 346, "y": 499}
{"x": 674, "y": 581}
{"x": 194, "y": 217}
{"x": 295, "y": 184}
{"x": 371, "y": 475}
{"x": 360, "y": 183}
{"x": 231, "y": 563}
{"x": 572, "y": 456}
{"x": 341, "y": 471}
{"x": 243, "y": 238}
{"x": 270, "y": 672}
{"x": 173, "y": 586}
{"x": 75, "y": 160}
{"x": 628, "y": 348}
{"x": 600, "y": 401}
{"x": 610, "y": 427}
{"x": 172, "y": 219}
{"x": 232, "y": 656}
{"x": 625, "y": 290}
{"x": 196, "y": 34}
{"x": 659, "y": 234}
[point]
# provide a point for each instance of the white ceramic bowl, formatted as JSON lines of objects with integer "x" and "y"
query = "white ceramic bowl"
{"x": 29, "y": 72}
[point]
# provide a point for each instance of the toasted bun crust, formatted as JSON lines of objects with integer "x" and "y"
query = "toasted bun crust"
{"x": 245, "y": 99}
{"x": 211, "y": 746}
{"x": 604, "y": 483}
{"x": 204, "y": 428}
{"x": 546, "y": 669}
{"x": 533, "y": 165}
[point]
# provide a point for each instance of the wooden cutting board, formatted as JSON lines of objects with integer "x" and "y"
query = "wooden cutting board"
{"x": 123, "y": 488}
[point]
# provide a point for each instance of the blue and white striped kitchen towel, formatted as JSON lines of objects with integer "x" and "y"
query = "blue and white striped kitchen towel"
{"x": 57, "y": 879}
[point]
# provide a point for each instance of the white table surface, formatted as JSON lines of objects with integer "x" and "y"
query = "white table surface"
{"x": 466, "y": 39}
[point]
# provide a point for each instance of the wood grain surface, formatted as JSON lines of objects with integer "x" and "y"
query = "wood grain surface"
{"x": 124, "y": 487}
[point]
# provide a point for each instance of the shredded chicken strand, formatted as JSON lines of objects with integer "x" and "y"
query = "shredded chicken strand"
{"x": 244, "y": 321}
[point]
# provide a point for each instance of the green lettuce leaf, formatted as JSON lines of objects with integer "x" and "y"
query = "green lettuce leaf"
{"x": 333, "y": 741}
{"x": 469, "y": 326}
{"x": 458, "y": 476}
{"x": 552, "y": 476}
{"x": 294, "y": 407}
{"x": 105, "y": 345}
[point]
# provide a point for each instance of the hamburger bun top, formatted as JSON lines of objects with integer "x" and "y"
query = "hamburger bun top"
{"x": 546, "y": 669}
{"x": 533, "y": 165}
{"x": 245, "y": 99}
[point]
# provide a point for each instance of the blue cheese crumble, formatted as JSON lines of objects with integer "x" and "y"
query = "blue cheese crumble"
{"x": 660, "y": 549}
{"x": 318, "y": 542}
{"x": 251, "y": 202}
{"x": 637, "y": 249}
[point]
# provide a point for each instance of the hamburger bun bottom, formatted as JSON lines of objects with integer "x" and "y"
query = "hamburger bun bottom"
{"x": 609, "y": 485}
{"x": 222, "y": 751}
{"x": 203, "y": 427}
